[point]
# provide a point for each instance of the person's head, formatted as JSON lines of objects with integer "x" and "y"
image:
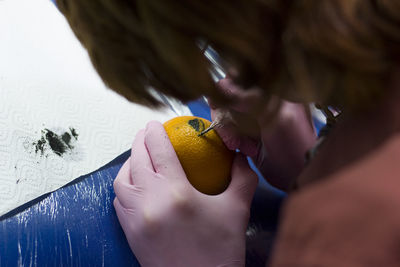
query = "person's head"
{"x": 336, "y": 52}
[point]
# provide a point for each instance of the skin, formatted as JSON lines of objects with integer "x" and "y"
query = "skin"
{"x": 348, "y": 191}
{"x": 353, "y": 137}
{"x": 167, "y": 221}
{"x": 356, "y": 137}
{"x": 346, "y": 211}
{"x": 276, "y": 144}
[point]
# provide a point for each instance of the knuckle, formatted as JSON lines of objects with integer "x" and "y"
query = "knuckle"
{"x": 181, "y": 199}
{"x": 153, "y": 217}
{"x": 151, "y": 224}
{"x": 181, "y": 203}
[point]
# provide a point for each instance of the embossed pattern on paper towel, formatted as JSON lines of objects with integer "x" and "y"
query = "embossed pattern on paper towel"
{"x": 26, "y": 174}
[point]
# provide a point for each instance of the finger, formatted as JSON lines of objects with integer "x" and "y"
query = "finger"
{"x": 232, "y": 139}
{"x": 140, "y": 160}
{"x": 248, "y": 146}
{"x": 124, "y": 188}
{"x": 226, "y": 131}
{"x": 161, "y": 151}
{"x": 244, "y": 180}
{"x": 124, "y": 174}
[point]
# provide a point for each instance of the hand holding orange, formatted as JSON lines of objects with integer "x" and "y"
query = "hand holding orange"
{"x": 205, "y": 159}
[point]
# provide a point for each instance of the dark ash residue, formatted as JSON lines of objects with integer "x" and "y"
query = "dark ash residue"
{"x": 73, "y": 132}
{"x": 58, "y": 143}
{"x": 197, "y": 124}
{"x": 39, "y": 145}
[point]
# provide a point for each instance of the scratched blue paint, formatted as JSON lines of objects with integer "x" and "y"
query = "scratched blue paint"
{"x": 200, "y": 108}
{"x": 74, "y": 226}
{"x": 77, "y": 225}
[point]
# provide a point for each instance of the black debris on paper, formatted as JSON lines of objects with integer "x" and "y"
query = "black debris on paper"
{"x": 66, "y": 137}
{"x": 39, "y": 145}
{"x": 57, "y": 143}
{"x": 73, "y": 132}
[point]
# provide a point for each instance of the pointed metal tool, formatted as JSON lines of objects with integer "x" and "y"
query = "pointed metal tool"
{"x": 209, "y": 128}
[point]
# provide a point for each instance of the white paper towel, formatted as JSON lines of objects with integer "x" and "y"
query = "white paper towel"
{"x": 48, "y": 89}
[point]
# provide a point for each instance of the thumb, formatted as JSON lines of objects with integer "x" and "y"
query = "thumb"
{"x": 244, "y": 180}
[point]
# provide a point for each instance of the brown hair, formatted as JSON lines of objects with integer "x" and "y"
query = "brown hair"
{"x": 338, "y": 52}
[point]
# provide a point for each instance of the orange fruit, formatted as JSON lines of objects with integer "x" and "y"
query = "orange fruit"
{"x": 205, "y": 159}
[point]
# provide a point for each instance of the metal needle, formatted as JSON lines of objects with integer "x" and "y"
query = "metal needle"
{"x": 211, "y": 127}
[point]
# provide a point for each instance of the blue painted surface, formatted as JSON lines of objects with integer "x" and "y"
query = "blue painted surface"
{"x": 200, "y": 108}
{"x": 74, "y": 226}
{"x": 77, "y": 225}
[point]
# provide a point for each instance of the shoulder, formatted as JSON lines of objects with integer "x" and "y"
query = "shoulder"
{"x": 382, "y": 164}
{"x": 375, "y": 177}
{"x": 354, "y": 210}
